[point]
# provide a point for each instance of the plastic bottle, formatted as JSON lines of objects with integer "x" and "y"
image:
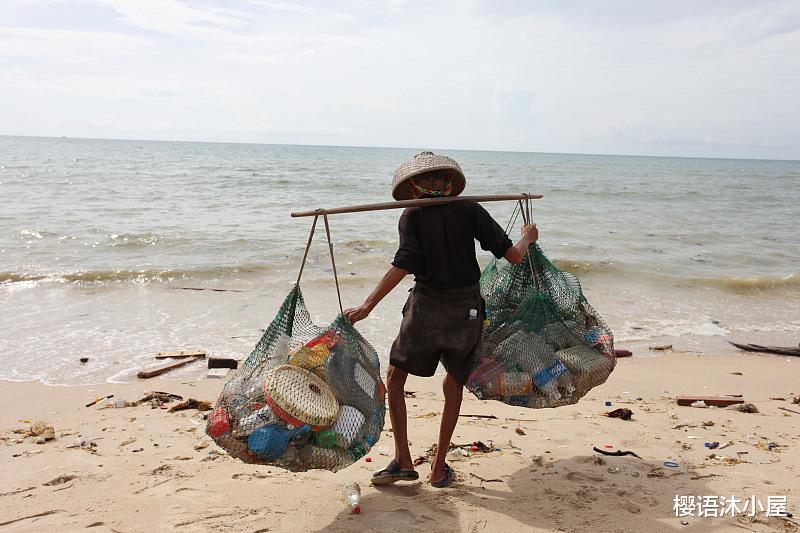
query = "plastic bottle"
{"x": 119, "y": 403}
{"x": 104, "y": 403}
{"x": 348, "y": 425}
{"x": 516, "y": 384}
{"x": 352, "y": 494}
{"x": 256, "y": 419}
{"x": 280, "y": 354}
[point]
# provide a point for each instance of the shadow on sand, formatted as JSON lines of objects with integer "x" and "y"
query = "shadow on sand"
{"x": 574, "y": 494}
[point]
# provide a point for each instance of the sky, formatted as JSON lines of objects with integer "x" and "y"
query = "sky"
{"x": 680, "y": 78}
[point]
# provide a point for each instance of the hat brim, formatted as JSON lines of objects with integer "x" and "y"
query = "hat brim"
{"x": 402, "y": 189}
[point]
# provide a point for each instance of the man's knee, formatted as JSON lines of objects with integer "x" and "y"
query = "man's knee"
{"x": 451, "y": 387}
{"x": 395, "y": 378}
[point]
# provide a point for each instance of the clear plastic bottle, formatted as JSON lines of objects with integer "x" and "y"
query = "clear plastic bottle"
{"x": 352, "y": 493}
{"x": 280, "y": 353}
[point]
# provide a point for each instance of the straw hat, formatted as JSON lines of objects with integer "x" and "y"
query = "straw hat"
{"x": 422, "y": 163}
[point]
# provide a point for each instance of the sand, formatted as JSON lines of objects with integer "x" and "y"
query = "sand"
{"x": 151, "y": 470}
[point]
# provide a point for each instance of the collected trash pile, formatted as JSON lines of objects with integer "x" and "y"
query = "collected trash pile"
{"x": 543, "y": 345}
{"x": 306, "y": 397}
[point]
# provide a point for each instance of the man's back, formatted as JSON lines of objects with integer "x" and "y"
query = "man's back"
{"x": 437, "y": 243}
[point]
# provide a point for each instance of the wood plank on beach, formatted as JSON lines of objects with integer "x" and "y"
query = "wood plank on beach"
{"x": 181, "y": 354}
{"x": 717, "y": 401}
{"x": 150, "y": 372}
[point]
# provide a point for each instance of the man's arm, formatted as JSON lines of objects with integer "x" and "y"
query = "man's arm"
{"x": 516, "y": 253}
{"x": 389, "y": 281}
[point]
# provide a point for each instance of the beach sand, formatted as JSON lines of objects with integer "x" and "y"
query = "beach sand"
{"x": 547, "y": 479}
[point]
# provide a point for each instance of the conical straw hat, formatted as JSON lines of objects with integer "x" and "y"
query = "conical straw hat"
{"x": 422, "y": 163}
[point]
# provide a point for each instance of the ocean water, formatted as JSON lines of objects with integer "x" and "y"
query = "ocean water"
{"x": 100, "y": 242}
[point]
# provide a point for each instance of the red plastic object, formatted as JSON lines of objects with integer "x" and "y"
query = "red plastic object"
{"x": 368, "y": 459}
{"x": 218, "y": 422}
{"x": 329, "y": 339}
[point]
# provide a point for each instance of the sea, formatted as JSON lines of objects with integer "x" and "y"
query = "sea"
{"x": 117, "y": 249}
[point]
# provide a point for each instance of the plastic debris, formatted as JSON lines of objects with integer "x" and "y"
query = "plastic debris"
{"x": 543, "y": 345}
{"x": 352, "y": 494}
{"x": 623, "y": 413}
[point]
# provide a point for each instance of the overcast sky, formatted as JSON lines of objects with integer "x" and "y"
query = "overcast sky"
{"x": 694, "y": 78}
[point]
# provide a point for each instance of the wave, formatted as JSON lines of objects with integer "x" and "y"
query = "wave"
{"x": 751, "y": 284}
{"x": 135, "y": 275}
{"x": 727, "y": 283}
{"x": 141, "y": 240}
{"x": 576, "y": 266}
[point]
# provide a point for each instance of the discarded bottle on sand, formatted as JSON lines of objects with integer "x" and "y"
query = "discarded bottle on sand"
{"x": 352, "y": 493}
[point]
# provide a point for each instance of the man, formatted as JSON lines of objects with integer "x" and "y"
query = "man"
{"x": 443, "y": 317}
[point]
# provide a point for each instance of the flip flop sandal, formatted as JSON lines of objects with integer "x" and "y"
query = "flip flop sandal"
{"x": 449, "y": 477}
{"x": 393, "y": 473}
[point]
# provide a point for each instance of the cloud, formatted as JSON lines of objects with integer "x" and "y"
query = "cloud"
{"x": 68, "y": 46}
{"x": 659, "y": 78}
{"x": 176, "y": 18}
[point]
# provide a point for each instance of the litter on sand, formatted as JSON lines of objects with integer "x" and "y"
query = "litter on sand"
{"x": 623, "y": 413}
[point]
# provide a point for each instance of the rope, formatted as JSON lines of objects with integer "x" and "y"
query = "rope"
{"x": 526, "y": 219}
{"x": 333, "y": 261}
{"x": 513, "y": 219}
{"x": 308, "y": 246}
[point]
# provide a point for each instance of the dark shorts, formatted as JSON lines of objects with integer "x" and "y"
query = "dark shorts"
{"x": 437, "y": 327}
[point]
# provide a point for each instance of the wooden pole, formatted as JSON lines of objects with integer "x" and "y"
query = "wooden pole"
{"x": 415, "y": 203}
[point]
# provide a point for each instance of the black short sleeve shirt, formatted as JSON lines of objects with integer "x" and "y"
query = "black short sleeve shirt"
{"x": 437, "y": 243}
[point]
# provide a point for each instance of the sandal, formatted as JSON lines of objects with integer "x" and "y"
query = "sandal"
{"x": 393, "y": 473}
{"x": 449, "y": 477}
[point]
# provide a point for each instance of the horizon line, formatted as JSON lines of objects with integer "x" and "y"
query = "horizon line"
{"x": 393, "y": 148}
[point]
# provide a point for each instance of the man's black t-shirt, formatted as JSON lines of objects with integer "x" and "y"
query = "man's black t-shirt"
{"x": 437, "y": 243}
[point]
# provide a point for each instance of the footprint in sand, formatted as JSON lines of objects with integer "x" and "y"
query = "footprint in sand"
{"x": 411, "y": 517}
{"x": 631, "y": 507}
{"x": 581, "y": 476}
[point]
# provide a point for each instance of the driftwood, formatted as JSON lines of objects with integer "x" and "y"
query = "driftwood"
{"x": 780, "y": 350}
{"x": 717, "y": 401}
{"x": 151, "y": 372}
{"x": 192, "y": 403}
{"x": 206, "y": 289}
{"x": 618, "y": 453}
{"x": 181, "y": 355}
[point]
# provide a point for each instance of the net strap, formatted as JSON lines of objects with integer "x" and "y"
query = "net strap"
{"x": 525, "y": 209}
{"x": 333, "y": 259}
{"x": 308, "y": 246}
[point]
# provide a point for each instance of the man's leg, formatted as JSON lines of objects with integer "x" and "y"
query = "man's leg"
{"x": 395, "y": 385}
{"x": 453, "y": 392}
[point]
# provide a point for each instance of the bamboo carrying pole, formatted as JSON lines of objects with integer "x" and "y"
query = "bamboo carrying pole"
{"x": 415, "y": 203}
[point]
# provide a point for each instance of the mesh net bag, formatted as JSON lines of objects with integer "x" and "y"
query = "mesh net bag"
{"x": 306, "y": 397}
{"x": 543, "y": 345}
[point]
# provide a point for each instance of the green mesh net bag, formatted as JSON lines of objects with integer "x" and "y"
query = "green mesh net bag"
{"x": 306, "y": 397}
{"x": 543, "y": 345}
